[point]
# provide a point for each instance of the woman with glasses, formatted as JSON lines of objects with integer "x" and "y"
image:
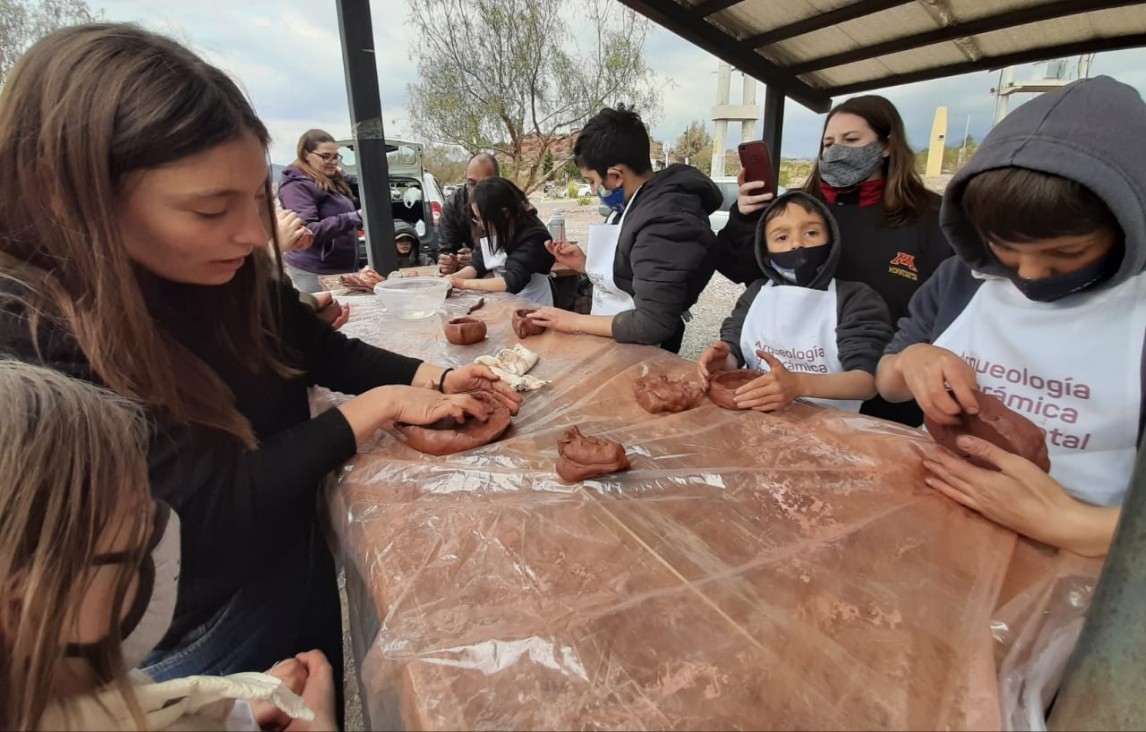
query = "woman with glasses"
{"x": 314, "y": 187}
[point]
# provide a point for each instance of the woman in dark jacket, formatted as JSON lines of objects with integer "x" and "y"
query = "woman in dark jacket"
{"x": 511, "y": 256}
{"x": 889, "y": 221}
{"x": 314, "y": 187}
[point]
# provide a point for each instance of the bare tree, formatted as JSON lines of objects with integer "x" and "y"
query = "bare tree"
{"x": 507, "y": 76}
{"x": 23, "y": 22}
{"x": 695, "y": 146}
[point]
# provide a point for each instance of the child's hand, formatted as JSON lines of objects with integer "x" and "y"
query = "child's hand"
{"x": 717, "y": 357}
{"x": 771, "y": 392}
{"x": 931, "y": 375}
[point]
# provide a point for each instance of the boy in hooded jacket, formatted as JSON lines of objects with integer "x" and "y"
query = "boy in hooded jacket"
{"x": 1044, "y": 307}
{"x": 815, "y": 337}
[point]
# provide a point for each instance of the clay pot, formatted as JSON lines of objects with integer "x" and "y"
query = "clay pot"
{"x": 582, "y": 457}
{"x": 523, "y": 326}
{"x": 446, "y": 436}
{"x": 998, "y": 425}
{"x": 722, "y": 386}
{"x": 464, "y": 331}
{"x": 660, "y": 393}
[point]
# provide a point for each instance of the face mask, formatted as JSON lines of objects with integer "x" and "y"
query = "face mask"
{"x": 843, "y": 167}
{"x": 800, "y": 265}
{"x": 1049, "y": 289}
{"x": 614, "y": 199}
{"x": 154, "y": 605}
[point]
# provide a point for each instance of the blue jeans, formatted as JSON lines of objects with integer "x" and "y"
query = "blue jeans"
{"x": 302, "y": 280}
{"x": 293, "y": 609}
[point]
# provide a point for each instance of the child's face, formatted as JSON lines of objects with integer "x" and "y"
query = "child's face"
{"x": 1036, "y": 260}
{"x": 404, "y": 245}
{"x": 795, "y": 228}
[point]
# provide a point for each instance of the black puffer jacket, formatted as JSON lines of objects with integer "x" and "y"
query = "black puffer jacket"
{"x": 454, "y": 229}
{"x": 665, "y": 255}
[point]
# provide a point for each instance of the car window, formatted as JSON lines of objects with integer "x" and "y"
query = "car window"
{"x": 349, "y": 160}
{"x": 405, "y": 155}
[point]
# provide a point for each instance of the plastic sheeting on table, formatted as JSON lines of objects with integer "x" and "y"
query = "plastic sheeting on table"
{"x": 752, "y": 571}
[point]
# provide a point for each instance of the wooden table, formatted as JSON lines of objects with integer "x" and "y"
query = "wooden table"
{"x": 751, "y": 571}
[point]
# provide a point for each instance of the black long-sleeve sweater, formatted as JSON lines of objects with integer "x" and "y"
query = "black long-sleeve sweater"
{"x": 239, "y": 509}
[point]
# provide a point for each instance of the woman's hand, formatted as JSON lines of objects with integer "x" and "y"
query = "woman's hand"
{"x": 557, "y": 319}
{"x": 476, "y": 377}
{"x": 1021, "y": 497}
{"x": 748, "y": 202}
{"x": 458, "y": 283}
{"x": 293, "y": 235}
{"x": 465, "y": 256}
{"x": 447, "y": 264}
{"x": 773, "y": 391}
{"x": 411, "y": 405}
{"x": 330, "y": 310}
{"x": 567, "y": 254}
{"x": 931, "y": 374}
{"x": 717, "y": 357}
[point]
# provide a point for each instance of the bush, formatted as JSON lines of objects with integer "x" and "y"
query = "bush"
{"x": 583, "y": 200}
{"x": 571, "y": 190}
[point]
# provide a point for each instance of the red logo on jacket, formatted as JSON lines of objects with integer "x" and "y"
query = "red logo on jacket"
{"x": 904, "y": 260}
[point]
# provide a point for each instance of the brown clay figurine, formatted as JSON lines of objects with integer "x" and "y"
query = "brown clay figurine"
{"x": 582, "y": 457}
{"x": 523, "y": 326}
{"x": 661, "y": 393}
{"x": 723, "y": 385}
{"x": 446, "y": 436}
{"x": 464, "y": 331}
{"x": 998, "y": 425}
{"x": 476, "y": 306}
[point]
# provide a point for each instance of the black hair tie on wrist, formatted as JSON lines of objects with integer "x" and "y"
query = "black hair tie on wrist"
{"x": 442, "y": 381}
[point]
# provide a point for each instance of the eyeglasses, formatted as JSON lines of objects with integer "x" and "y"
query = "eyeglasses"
{"x": 328, "y": 157}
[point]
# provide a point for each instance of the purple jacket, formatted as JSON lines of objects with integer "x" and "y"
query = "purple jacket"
{"x": 332, "y": 219}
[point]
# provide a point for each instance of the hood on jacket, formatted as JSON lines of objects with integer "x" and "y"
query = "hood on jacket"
{"x": 292, "y": 174}
{"x": 1090, "y": 131}
{"x": 828, "y": 271}
{"x": 680, "y": 178}
{"x": 404, "y": 228}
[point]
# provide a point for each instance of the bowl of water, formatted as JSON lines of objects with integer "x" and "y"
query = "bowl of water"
{"x": 413, "y": 298}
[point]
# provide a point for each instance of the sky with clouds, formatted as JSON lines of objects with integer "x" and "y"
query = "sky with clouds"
{"x": 287, "y": 56}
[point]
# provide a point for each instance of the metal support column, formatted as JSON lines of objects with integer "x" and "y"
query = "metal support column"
{"x": 356, "y": 28}
{"x": 1104, "y": 687}
{"x": 774, "y": 124}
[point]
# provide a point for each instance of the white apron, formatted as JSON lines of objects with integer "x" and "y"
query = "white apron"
{"x": 608, "y": 299}
{"x": 797, "y": 325}
{"x": 1073, "y": 367}
{"x": 537, "y": 291}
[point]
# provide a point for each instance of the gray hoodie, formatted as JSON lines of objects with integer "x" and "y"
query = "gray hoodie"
{"x": 1090, "y": 131}
{"x": 863, "y": 325}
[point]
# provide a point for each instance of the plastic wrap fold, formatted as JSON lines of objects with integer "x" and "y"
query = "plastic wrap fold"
{"x": 752, "y": 571}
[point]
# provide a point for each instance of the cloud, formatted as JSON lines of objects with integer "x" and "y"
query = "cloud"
{"x": 287, "y": 55}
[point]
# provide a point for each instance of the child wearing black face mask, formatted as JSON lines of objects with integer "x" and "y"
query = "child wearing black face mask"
{"x": 815, "y": 337}
{"x": 1044, "y": 308}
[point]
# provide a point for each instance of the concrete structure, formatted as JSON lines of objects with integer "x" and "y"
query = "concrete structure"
{"x": 938, "y": 143}
{"x": 747, "y": 113}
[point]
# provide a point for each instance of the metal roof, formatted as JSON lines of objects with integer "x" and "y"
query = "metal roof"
{"x": 812, "y": 50}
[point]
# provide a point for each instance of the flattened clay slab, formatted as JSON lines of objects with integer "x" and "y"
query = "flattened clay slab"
{"x": 658, "y": 393}
{"x": 998, "y": 425}
{"x": 464, "y": 331}
{"x": 723, "y": 385}
{"x": 523, "y": 326}
{"x": 446, "y": 436}
{"x": 582, "y": 457}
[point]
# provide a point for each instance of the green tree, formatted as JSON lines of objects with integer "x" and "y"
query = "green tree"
{"x": 446, "y": 162}
{"x": 23, "y": 22}
{"x": 507, "y": 75}
{"x": 695, "y": 147}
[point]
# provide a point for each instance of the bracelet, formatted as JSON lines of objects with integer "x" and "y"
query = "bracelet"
{"x": 442, "y": 381}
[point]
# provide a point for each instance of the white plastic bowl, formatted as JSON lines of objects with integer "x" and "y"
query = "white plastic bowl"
{"x": 413, "y": 298}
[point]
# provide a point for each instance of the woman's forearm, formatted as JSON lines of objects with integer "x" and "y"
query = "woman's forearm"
{"x": 489, "y": 284}
{"x": 368, "y": 412}
{"x": 889, "y": 381}
{"x": 427, "y": 376}
{"x": 848, "y": 385}
{"x": 1086, "y": 530}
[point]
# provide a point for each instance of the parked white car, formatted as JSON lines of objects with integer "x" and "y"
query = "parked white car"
{"x": 584, "y": 190}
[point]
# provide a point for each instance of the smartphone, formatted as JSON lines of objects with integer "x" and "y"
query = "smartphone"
{"x": 757, "y": 164}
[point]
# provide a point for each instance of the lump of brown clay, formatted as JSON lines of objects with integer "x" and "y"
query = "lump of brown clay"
{"x": 523, "y": 326}
{"x": 582, "y": 457}
{"x": 998, "y": 425}
{"x": 722, "y": 386}
{"x": 446, "y": 436}
{"x": 660, "y": 393}
{"x": 464, "y": 331}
